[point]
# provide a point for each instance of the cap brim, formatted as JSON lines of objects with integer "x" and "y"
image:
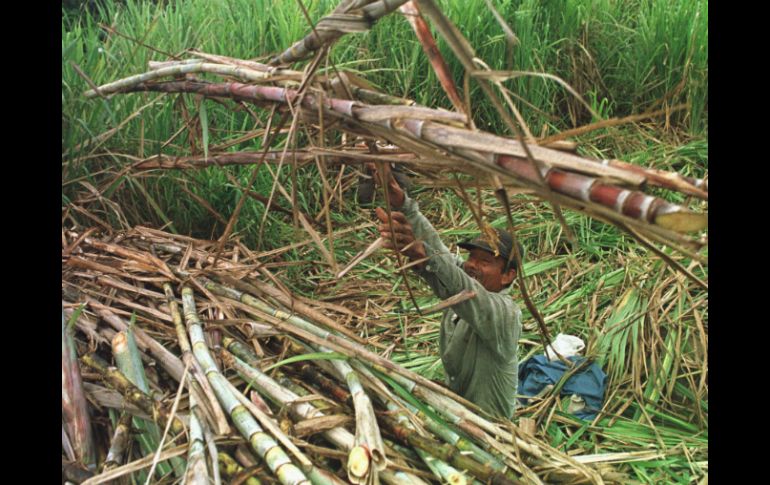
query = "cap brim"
{"x": 476, "y": 245}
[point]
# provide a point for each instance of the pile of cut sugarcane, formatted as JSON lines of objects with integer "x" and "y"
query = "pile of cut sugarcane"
{"x": 182, "y": 364}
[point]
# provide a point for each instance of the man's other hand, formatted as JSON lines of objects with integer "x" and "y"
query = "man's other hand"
{"x": 396, "y": 194}
{"x": 401, "y": 232}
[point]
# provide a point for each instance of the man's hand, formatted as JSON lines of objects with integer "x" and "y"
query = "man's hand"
{"x": 405, "y": 241}
{"x": 396, "y": 194}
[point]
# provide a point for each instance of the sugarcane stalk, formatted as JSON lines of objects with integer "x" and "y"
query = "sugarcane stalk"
{"x": 368, "y": 444}
{"x": 200, "y": 386}
{"x": 289, "y": 301}
{"x": 197, "y": 472}
{"x": 310, "y": 332}
{"x": 368, "y": 435}
{"x": 221, "y": 159}
{"x": 416, "y": 123}
{"x": 129, "y": 362}
{"x": 120, "y": 440}
{"x": 170, "y": 362}
{"x": 334, "y": 26}
{"x": 444, "y": 472}
{"x": 339, "y": 437}
{"x": 115, "y": 379}
{"x": 446, "y": 453}
{"x": 396, "y": 406}
{"x": 508, "y": 158}
{"x": 176, "y": 71}
{"x": 477, "y": 427}
{"x": 75, "y": 418}
{"x": 287, "y": 76}
{"x": 451, "y": 301}
{"x": 230, "y": 468}
{"x": 261, "y": 442}
{"x": 428, "y": 43}
{"x": 316, "y": 475}
{"x": 325, "y": 384}
{"x": 664, "y": 179}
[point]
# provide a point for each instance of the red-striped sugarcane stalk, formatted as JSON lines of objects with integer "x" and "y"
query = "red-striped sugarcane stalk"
{"x": 502, "y": 155}
{"x": 74, "y": 408}
{"x": 261, "y": 442}
{"x": 667, "y": 180}
{"x": 422, "y": 31}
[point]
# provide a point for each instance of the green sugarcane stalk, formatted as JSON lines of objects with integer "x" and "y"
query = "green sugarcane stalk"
{"x": 148, "y": 433}
{"x": 446, "y": 453}
{"x": 367, "y": 430}
{"x": 77, "y": 422}
{"x": 443, "y": 472}
{"x": 392, "y": 402}
{"x": 339, "y": 436}
{"x": 198, "y": 386}
{"x": 439, "y": 429}
{"x": 441, "y": 469}
{"x": 231, "y": 468}
{"x": 129, "y": 362}
{"x": 465, "y": 445}
{"x": 261, "y": 442}
{"x": 197, "y": 472}
{"x": 115, "y": 379}
{"x": 316, "y": 475}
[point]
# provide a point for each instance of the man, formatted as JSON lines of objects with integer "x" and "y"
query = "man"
{"x": 479, "y": 337}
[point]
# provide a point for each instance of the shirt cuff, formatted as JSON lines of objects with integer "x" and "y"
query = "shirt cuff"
{"x": 410, "y": 207}
{"x": 436, "y": 259}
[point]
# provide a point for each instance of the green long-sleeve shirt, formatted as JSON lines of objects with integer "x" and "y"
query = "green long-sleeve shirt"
{"x": 479, "y": 337}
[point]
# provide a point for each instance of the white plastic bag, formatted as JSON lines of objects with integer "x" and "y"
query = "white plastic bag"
{"x": 566, "y": 345}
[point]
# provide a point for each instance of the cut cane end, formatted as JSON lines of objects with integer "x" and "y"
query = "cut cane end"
{"x": 120, "y": 342}
{"x": 683, "y": 221}
{"x": 457, "y": 478}
{"x": 358, "y": 461}
{"x": 379, "y": 459}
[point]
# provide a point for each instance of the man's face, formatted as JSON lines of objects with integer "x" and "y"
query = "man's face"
{"x": 487, "y": 269}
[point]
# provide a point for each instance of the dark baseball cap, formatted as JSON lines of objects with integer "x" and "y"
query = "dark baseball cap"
{"x": 504, "y": 246}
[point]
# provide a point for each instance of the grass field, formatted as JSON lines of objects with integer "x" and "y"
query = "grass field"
{"x": 645, "y": 324}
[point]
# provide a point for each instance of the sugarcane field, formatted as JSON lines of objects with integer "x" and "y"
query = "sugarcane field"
{"x": 384, "y": 241}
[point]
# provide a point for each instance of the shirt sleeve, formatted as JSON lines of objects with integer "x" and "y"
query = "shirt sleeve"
{"x": 424, "y": 230}
{"x": 493, "y": 316}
